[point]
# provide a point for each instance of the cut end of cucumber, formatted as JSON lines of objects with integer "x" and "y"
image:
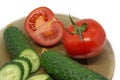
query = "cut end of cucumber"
{"x": 33, "y": 57}
{"x": 12, "y": 71}
{"x": 26, "y": 64}
{"x": 40, "y": 77}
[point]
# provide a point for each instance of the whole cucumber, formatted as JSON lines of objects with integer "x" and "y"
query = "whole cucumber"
{"x": 61, "y": 67}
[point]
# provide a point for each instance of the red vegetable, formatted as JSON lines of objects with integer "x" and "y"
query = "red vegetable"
{"x": 84, "y": 38}
{"x": 43, "y": 27}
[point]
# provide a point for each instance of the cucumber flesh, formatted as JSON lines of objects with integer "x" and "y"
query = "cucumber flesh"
{"x": 26, "y": 64}
{"x": 33, "y": 57}
{"x": 40, "y": 77}
{"x": 12, "y": 71}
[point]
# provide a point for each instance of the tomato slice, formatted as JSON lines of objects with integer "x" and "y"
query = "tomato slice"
{"x": 43, "y": 27}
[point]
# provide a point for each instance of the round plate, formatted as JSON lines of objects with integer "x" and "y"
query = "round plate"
{"x": 103, "y": 64}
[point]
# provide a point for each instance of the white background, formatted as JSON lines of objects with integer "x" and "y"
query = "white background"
{"x": 106, "y": 12}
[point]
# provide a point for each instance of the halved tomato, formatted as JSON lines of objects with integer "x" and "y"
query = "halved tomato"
{"x": 43, "y": 27}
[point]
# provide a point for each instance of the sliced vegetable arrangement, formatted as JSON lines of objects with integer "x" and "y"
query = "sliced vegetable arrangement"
{"x": 82, "y": 39}
{"x": 18, "y": 45}
{"x": 24, "y": 57}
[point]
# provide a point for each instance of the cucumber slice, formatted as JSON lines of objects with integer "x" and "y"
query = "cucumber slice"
{"x": 40, "y": 77}
{"x": 26, "y": 64}
{"x": 12, "y": 71}
{"x": 33, "y": 57}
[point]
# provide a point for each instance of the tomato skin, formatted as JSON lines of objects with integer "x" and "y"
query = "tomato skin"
{"x": 43, "y": 27}
{"x": 94, "y": 39}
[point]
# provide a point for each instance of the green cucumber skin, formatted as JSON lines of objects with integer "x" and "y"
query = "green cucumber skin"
{"x": 61, "y": 67}
{"x": 16, "y": 64}
{"x": 17, "y": 59}
{"x": 15, "y": 41}
{"x": 49, "y": 78}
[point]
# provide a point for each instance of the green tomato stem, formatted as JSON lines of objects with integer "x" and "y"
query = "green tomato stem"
{"x": 78, "y": 30}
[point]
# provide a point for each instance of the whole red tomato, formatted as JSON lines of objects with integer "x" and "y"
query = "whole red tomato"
{"x": 84, "y": 38}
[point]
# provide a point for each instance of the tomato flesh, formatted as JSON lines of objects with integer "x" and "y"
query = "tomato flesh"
{"x": 94, "y": 39}
{"x": 43, "y": 27}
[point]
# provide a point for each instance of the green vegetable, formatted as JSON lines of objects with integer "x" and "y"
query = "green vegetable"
{"x": 26, "y": 64}
{"x": 18, "y": 45}
{"x": 40, "y": 77}
{"x": 12, "y": 71}
{"x": 15, "y": 41}
{"x": 33, "y": 57}
{"x": 62, "y": 67}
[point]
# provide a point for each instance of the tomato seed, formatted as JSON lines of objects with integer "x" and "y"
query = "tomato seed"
{"x": 44, "y": 15}
{"x": 49, "y": 33}
{"x": 41, "y": 14}
{"x": 31, "y": 24}
{"x": 34, "y": 28}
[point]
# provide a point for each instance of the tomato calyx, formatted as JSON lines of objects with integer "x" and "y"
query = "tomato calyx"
{"x": 78, "y": 29}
